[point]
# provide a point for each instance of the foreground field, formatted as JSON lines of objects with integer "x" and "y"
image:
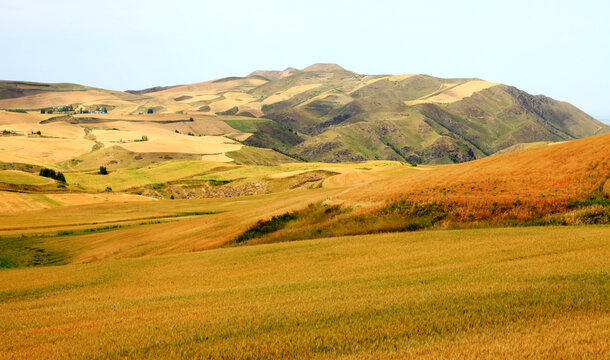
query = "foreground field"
{"x": 113, "y": 230}
{"x": 512, "y": 293}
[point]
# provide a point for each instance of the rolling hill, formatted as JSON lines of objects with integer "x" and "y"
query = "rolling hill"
{"x": 326, "y": 113}
{"x": 567, "y": 184}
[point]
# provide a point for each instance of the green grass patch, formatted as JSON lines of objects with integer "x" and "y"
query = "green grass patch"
{"x": 590, "y": 201}
{"x": 265, "y": 227}
{"x": 245, "y": 125}
{"x": 121, "y": 179}
{"x": 249, "y": 155}
{"x": 29, "y": 251}
{"x": 15, "y": 177}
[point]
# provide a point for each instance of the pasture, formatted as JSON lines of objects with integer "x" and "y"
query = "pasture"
{"x": 124, "y": 178}
{"x": 14, "y": 177}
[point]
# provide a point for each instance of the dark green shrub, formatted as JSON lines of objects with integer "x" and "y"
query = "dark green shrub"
{"x": 266, "y": 227}
{"x": 50, "y": 173}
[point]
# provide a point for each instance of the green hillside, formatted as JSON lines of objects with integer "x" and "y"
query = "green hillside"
{"x": 411, "y": 118}
{"x": 326, "y": 113}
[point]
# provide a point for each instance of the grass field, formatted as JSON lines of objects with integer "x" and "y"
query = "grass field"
{"x": 42, "y": 150}
{"x": 291, "y": 169}
{"x": 249, "y": 155}
{"x": 162, "y": 140}
{"x": 199, "y": 224}
{"x": 509, "y": 293}
{"x": 547, "y": 176}
{"x": 22, "y": 178}
{"x": 14, "y": 202}
{"x": 245, "y": 125}
{"x": 452, "y": 92}
{"x": 287, "y": 94}
{"x": 125, "y": 178}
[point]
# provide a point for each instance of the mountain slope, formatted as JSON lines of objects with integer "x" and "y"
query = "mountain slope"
{"x": 327, "y": 113}
{"x": 414, "y": 118}
{"x": 553, "y": 174}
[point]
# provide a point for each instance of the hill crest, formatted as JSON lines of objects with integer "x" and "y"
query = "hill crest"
{"x": 326, "y": 113}
{"x": 324, "y": 67}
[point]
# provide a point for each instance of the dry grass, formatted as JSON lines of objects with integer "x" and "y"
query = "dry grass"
{"x": 55, "y": 130}
{"x": 537, "y": 179}
{"x": 90, "y": 96}
{"x": 234, "y": 215}
{"x": 454, "y": 93}
{"x": 400, "y": 77}
{"x": 13, "y": 202}
{"x": 350, "y": 179}
{"x": 234, "y": 92}
{"x": 239, "y": 99}
{"x": 509, "y": 293}
{"x": 31, "y": 150}
{"x": 523, "y": 146}
{"x": 285, "y": 95}
{"x": 201, "y": 124}
{"x": 161, "y": 140}
{"x": 31, "y": 118}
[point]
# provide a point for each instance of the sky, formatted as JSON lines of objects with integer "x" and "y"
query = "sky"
{"x": 557, "y": 48}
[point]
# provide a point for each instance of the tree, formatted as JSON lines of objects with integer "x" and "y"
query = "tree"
{"x": 150, "y": 110}
{"x": 42, "y": 111}
{"x": 144, "y": 138}
{"x": 103, "y": 170}
{"x": 50, "y": 173}
{"x": 60, "y": 177}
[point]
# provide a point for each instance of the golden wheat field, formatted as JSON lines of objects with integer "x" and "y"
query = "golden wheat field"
{"x": 549, "y": 176}
{"x": 509, "y": 293}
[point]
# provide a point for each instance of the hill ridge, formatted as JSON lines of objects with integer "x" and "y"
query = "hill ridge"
{"x": 327, "y": 113}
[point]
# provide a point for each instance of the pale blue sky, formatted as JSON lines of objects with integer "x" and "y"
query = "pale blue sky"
{"x": 557, "y": 48}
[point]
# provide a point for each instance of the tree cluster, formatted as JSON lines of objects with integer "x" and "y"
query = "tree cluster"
{"x": 50, "y": 173}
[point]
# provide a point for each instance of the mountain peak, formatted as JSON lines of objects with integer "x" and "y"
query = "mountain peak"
{"x": 273, "y": 74}
{"x": 324, "y": 67}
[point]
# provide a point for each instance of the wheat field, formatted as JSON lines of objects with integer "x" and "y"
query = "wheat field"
{"x": 509, "y": 293}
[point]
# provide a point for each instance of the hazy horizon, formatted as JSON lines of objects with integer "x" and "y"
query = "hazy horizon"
{"x": 554, "y": 48}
